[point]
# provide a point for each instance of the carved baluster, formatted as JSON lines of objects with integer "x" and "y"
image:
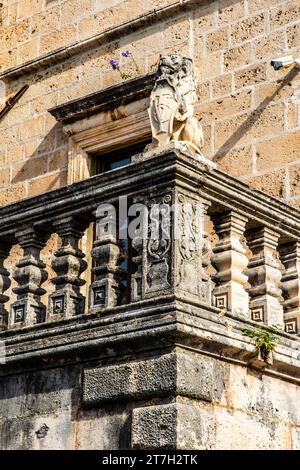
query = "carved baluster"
{"x": 230, "y": 261}
{"x": 30, "y": 275}
{"x": 106, "y": 290}
{"x": 264, "y": 276}
{"x": 69, "y": 264}
{"x": 290, "y": 283}
{"x": 4, "y": 285}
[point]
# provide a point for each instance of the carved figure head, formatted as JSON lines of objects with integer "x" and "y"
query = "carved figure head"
{"x": 174, "y": 67}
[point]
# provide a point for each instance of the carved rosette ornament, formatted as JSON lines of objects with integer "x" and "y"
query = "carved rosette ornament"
{"x": 264, "y": 277}
{"x": 230, "y": 261}
{"x": 172, "y": 102}
{"x": 68, "y": 263}
{"x": 29, "y": 275}
{"x": 290, "y": 284}
{"x": 4, "y": 285}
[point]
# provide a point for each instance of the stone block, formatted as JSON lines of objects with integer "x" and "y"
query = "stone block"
{"x": 294, "y": 177}
{"x": 29, "y": 169}
{"x": 237, "y": 57}
{"x": 12, "y": 194}
{"x": 269, "y": 46}
{"x": 172, "y": 374}
{"x": 217, "y": 40}
{"x": 57, "y": 39}
{"x": 250, "y": 76}
{"x": 47, "y": 183}
{"x": 203, "y": 21}
{"x": 284, "y": 14}
{"x": 45, "y": 22}
{"x": 222, "y": 86}
{"x": 248, "y": 29}
{"x": 272, "y": 182}
{"x": 173, "y": 426}
{"x": 293, "y": 36}
{"x": 293, "y": 115}
{"x": 229, "y": 12}
{"x": 243, "y": 129}
{"x": 209, "y": 66}
{"x": 223, "y": 107}
{"x": 272, "y": 92}
{"x": 29, "y": 8}
{"x": 278, "y": 151}
{"x": 255, "y": 5}
{"x": 176, "y": 32}
{"x": 28, "y": 51}
{"x": 237, "y": 162}
{"x": 15, "y": 34}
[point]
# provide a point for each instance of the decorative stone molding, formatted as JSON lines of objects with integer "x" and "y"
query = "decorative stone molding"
{"x": 68, "y": 263}
{"x": 30, "y": 274}
{"x": 264, "y": 276}
{"x": 94, "y": 136}
{"x": 290, "y": 284}
{"x": 230, "y": 260}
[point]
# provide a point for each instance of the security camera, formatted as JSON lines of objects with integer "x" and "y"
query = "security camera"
{"x": 286, "y": 61}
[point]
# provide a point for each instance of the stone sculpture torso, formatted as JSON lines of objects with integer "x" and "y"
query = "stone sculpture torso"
{"x": 172, "y": 102}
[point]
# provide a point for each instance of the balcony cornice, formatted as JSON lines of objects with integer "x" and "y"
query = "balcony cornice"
{"x": 161, "y": 167}
{"x": 107, "y": 99}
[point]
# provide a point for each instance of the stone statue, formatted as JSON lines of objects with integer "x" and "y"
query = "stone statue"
{"x": 172, "y": 102}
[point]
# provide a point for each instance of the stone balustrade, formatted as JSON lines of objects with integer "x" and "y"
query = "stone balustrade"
{"x": 251, "y": 270}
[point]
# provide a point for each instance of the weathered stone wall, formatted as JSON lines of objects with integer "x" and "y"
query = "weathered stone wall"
{"x": 250, "y": 115}
{"x": 234, "y": 407}
{"x": 249, "y": 111}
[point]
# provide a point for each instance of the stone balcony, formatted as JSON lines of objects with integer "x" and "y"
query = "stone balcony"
{"x": 247, "y": 271}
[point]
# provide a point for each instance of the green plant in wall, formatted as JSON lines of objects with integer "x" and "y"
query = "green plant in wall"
{"x": 266, "y": 339}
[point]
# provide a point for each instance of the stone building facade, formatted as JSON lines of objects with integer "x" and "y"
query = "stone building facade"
{"x": 77, "y": 381}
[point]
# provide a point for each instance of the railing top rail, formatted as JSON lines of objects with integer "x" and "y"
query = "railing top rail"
{"x": 158, "y": 171}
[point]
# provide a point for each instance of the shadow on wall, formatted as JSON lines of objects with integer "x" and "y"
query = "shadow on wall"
{"x": 47, "y": 158}
{"x": 253, "y": 117}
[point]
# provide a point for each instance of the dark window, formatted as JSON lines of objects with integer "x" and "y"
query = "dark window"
{"x": 116, "y": 159}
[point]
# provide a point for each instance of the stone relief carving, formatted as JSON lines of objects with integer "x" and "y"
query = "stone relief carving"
{"x": 189, "y": 268}
{"x": 159, "y": 243}
{"x": 172, "y": 102}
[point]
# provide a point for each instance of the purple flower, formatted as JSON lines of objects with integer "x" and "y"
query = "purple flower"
{"x": 114, "y": 63}
{"x": 126, "y": 53}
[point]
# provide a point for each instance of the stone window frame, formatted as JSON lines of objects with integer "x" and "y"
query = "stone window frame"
{"x": 101, "y": 122}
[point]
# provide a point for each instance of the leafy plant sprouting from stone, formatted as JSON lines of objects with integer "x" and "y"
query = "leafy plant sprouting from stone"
{"x": 266, "y": 339}
{"x": 115, "y": 64}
